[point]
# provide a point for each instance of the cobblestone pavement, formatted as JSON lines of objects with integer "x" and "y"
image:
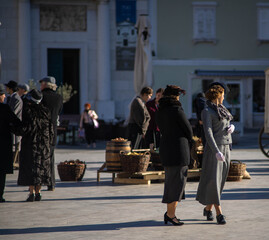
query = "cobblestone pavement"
{"x": 87, "y": 210}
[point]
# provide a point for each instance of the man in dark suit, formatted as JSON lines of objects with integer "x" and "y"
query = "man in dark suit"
{"x": 16, "y": 104}
{"x": 54, "y": 102}
{"x": 6, "y": 161}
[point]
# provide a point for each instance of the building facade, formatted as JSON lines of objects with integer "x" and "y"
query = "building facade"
{"x": 90, "y": 44}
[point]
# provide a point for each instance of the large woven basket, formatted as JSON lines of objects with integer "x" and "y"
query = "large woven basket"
{"x": 134, "y": 163}
{"x": 71, "y": 170}
{"x": 236, "y": 172}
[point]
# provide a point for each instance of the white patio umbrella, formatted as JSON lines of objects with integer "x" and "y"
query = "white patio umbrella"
{"x": 266, "y": 113}
{"x": 143, "y": 58}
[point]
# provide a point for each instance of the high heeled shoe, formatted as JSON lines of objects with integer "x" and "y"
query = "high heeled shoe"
{"x": 31, "y": 198}
{"x": 221, "y": 219}
{"x": 38, "y": 197}
{"x": 208, "y": 214}
{"x": 168, "y": 219}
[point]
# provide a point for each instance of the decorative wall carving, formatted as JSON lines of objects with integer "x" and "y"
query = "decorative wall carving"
{"x": 66, "y": 18}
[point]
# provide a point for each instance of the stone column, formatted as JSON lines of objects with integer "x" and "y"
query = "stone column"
{"x": 24, "y": 41}
{"x": 105, "y": 107}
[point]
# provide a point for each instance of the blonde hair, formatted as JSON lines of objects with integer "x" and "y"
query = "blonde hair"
{"x": 51, "y": 86}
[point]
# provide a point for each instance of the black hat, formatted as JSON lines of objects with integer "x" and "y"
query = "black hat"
{"x": 223, "y": 85}
{"x": 34, "y": 96}
{"x": 48, "y": 79}
{"x": 172, "y": 90}
{"x": 12, "y": 84}
{"x": 2, "y": 89}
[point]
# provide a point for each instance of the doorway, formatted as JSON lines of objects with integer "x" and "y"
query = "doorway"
{"x": 234, "y": 103}
{"x": 63, "y": 64}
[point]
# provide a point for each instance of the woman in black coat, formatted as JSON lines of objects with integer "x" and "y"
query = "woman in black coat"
{"x": 176, "y": 134}
{"x": 37, "y": 132}
{"x": 7, "y": 119}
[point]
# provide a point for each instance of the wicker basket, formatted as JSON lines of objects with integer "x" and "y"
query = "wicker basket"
{"x": 71, "y": 170}
{"x": 134, "y": 163}
{"x": 237, "y": 169}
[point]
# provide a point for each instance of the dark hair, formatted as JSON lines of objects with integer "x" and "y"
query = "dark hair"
{"x": 214, "y": 92}
{"x": 146, "y": 90}
{"x": 173, "y": 90}
{"x": 160, "y": 90}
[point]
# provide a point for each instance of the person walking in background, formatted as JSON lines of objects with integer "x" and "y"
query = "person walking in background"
{"x": 37, "y": 132}
{"x": 176, "y": 135}
{"x": 216, "y": 158}
{"x": 16, "y": 104}
{"x": 139, "y": 118}
{"x": 88, "y": 121}
{"x": 153, "y": 132}
{"x": 6, "y": 161}
{"x": 54, "y": 102}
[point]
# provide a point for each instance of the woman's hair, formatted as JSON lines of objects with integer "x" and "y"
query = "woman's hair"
{"x": 87, "y": 105}
{"x": 172, "y": 90}
{"x": 214, "y": 92}
{"x": 51, "y": 86}
{"x": 160, "y": 90}
{"x": 146, "y": 90}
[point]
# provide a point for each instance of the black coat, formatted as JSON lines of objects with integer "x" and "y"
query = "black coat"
{"x": 7, "y": 117}
{"x": 37, "y": 132}
{"x": 54, "y": 102}
{"x": 176, "y": 133}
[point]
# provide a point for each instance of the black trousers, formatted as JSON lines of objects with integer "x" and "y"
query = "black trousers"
{"x": 89, "y": 133}
{"x": 52, "y": 166}
{"x": 2, "y": 183}
{"x": 135, "y": 136}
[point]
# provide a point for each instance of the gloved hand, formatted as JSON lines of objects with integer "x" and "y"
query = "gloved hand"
{"x": 231, "y": 128}
{"x": 220, "y": 157}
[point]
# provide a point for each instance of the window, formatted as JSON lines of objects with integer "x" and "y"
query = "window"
{"x": 204, "y": 22}
{"x": 263, "y": 22}
{"x": 258, "y": 95}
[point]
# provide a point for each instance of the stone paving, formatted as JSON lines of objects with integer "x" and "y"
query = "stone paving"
{"x": 87, "y": 210}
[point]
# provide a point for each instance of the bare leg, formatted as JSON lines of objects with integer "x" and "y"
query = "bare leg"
{"x": 31, "y": 189}
{"x": 171, "y": 210}
{"x": 218, "y": 209}
{"x": 37, "y": 189}
{"x": 209, "y": 207}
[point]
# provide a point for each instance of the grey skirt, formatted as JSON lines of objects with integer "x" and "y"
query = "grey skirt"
{"x": 175, "y": 181}
{"x": 213, "y": 177}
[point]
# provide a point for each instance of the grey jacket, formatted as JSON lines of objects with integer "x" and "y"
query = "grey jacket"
{"x": 215, "y": 129}
{"x": 139, "y": 114}
{"x": 16, "y": 104}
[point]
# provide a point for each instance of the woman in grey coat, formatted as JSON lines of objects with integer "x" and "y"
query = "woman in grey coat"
{"x": 216, "y": 160}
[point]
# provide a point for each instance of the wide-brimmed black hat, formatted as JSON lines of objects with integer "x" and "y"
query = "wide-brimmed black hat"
{"x": 34, "y": 96}
{"x": 2, "y": 89}
{"x": 12, "y": 84}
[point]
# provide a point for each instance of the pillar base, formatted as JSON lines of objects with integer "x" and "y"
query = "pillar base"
{"x": 105, "y": 110}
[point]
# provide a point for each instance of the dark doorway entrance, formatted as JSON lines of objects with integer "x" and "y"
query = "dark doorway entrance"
{"x": 63, "y": 64}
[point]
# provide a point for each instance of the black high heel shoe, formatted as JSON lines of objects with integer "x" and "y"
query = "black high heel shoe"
{"x": 168, "y": 219}
{"x": 208, "y": 214}
{"x": 221, "y": 219}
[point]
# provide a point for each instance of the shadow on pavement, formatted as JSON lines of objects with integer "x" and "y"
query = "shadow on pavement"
{"x": 93, "y": 227}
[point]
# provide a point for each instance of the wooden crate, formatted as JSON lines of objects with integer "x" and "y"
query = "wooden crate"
{"x": 140, "y": 177}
